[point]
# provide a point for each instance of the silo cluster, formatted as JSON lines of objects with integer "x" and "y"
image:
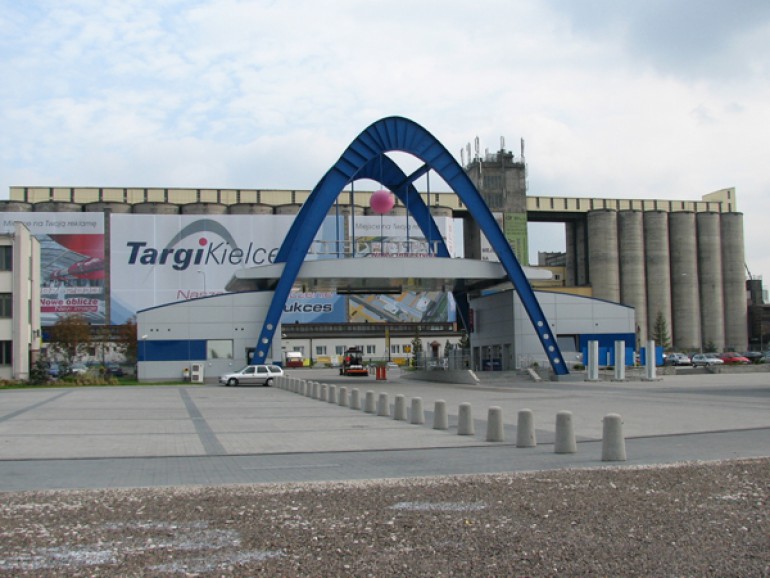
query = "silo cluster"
{"x": 685, "y": 267}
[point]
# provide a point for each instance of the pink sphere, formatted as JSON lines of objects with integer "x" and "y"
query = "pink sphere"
{"x": 382, "y": 201}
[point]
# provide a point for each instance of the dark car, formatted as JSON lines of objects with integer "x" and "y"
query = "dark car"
{"x": 753, "y": 356}
{"x": 114, "y": 369}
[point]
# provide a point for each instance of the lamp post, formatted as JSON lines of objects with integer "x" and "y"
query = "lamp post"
{"x": 204, "y": 280}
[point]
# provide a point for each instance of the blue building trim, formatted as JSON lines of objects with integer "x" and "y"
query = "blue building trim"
{"x": 171, "y": 350}
{"x": 366, "y": 155}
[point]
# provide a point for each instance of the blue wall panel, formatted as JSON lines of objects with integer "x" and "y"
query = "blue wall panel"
{"x": 172, "y": 350}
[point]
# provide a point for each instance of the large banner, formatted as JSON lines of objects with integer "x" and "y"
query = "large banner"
{"x": 397, "y": 236}
{"x": 72, "y": 262}
{"x": 160, "y": 259}
{"x": 393, "y": 236}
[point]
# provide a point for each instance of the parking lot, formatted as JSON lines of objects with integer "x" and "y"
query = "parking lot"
{"x": 165, "y": 435}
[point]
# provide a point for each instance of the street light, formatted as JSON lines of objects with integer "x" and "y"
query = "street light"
{"x": 204, "y": 280}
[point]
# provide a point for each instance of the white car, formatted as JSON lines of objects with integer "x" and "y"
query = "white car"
{"x": 252, "y": 375}
{"x": 704, "y": 359}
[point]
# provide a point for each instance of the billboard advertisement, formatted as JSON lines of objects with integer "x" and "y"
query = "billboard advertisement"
{"x": 399, "y": 236}
{"x": 392, "y": 236}
{"x": 72, "y": 262}
{"x": 160, "y": 259}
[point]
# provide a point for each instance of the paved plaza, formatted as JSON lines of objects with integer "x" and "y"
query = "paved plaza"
{"x": 110, "y": 437}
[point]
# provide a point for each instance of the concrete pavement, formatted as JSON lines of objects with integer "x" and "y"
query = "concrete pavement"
{"x": 165, "y": 436}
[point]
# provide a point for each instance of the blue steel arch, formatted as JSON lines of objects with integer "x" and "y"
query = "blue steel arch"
{"x": 365, "y": 158}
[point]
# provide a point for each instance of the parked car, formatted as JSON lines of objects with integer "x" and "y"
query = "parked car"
{"x": 115, "y": 369}
{"x": 252, "y": 375}
{"x": 678, "y": 359}
{"x": 733, "y": 358}
{"x": 753, "y": 356}
{"x": 78, "y": 369}
{"x": 704, "y": 359}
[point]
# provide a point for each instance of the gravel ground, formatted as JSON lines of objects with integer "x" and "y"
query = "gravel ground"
{"x": 686, "y": 520}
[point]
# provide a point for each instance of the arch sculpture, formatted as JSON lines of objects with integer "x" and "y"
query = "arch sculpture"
{"x": 366, "y": 158}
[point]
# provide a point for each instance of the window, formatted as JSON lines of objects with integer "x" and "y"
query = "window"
{"x": 6, "y": 258}
{"x": 339, "y": 349}
{"x": 6, "y": 352}
{"x": 395, "y": 348}
{"x": 6, "y": 305}
{"x": 320, "y": 350}
{"x": 219, "y": 349}
{"x": 371, "y": 349}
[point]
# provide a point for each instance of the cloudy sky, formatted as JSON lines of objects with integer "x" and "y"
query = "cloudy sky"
{"x": 665, "y": 99}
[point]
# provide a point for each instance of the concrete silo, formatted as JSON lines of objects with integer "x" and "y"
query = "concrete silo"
{"x": 204, "y": 209}
{"x": 734, "y": 282}
{"x": 710, "y": 277}
{"x": 632, "y": 272}
{"x": 58, "y": 207}
{"x": 103, "y": 207}
{"x": 656, "y": 252}
{"x": 15, "y": 207}
{"x": 685, "y": 300}
{"x": 250, "y": 209}
{"x": 603, "y": 264}
{"x": 156, "y": 209}
{"x": 289, "y": 209}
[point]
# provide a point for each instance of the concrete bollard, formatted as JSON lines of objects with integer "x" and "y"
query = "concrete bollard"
{"x": 613, "y": 443}
{"x": 369, "y": 403}
{"x": 399, "y": 411}
{"x": 316, "y": 390}
{"x": 305, "y": 388}
{"x": 495, "y": 431}
{"x": 332, "y": 394}
{"x": 324, "y": 392}
{"x": 465, "y": 420}
{"x": 418, "y": 414}
{"x": 343, "y": 396}
{"x": 383, "y": 405}
{"x": 355, "y": 399}
{"x": 525, "y": 430}
{"x": 565, "y": 434}
{"x": 440, "y": 417}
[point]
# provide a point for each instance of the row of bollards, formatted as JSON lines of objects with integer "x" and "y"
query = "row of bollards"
{"x": 613, "y": 442}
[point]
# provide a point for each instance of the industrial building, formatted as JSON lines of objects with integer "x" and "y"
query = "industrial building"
{"x": 682, "y": 259}
{"x": 19, "y": 299}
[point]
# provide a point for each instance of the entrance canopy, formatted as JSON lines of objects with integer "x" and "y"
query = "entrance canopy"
{"x": 367, "y": 275}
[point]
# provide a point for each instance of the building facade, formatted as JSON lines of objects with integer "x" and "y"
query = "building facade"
{"x": 19, "y": 303}
{"x": 679, "y": 259}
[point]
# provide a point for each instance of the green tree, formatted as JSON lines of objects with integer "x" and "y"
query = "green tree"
{"x": 70, "y": 337}
{"x": 417, "y": 343}
{"x": 126, "y": 340}
{"x": 660, "y": 332}
{"x": 38, "y": 374}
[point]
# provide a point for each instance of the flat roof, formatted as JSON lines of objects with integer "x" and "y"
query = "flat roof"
{"x": 364, "y": 275}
